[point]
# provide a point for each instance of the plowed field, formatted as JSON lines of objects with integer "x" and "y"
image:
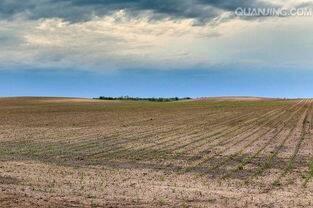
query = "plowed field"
{"x": 200, "y": 153}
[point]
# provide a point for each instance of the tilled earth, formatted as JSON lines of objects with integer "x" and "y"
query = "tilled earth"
{"x": 202, "y": 153}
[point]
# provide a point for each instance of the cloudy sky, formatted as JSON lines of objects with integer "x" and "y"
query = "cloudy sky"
{"x": 154, "y": 48}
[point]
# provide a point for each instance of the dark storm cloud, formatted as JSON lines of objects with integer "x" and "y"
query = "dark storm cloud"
{"x": 80, "y": 10}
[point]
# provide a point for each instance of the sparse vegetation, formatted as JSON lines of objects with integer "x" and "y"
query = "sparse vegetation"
{"x": 75, "y": 152}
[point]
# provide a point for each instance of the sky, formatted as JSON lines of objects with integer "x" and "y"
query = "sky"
{"x": 144, "y": 48}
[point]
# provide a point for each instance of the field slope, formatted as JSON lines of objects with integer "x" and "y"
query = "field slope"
{"x": 221, "y": 152}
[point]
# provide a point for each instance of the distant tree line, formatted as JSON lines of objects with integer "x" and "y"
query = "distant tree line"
{"x": 152, "y": 99}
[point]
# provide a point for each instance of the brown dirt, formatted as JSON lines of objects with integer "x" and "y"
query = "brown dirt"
{"x": 57, "y": 152}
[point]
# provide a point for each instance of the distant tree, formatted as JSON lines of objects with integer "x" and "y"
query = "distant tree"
{"x": 151, "y": 99}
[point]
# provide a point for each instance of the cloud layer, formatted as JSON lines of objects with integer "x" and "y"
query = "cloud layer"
{"x": 120, "y": 34}
{"x": 83, "y": 10}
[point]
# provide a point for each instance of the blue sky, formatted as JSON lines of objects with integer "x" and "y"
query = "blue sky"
{"x": 146, "y": 83}
{"x": 88, "y": 48}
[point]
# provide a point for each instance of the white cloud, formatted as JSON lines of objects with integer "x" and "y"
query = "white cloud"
{"x": 120, "y": 41}
{"x": 116, "y": 41}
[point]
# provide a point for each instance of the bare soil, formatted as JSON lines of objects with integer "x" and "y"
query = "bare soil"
{"x": 62, "y": 152}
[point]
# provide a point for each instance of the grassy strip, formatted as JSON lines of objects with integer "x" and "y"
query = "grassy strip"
{"x": 245, "y": 161}
{"x": 114, "y": 137}
{"x": 309, "y": 175}
{"x": 232, "y": 156}
{"x": 290, "y": 164}
{"x": 147, "y": 151}
{"x": 203, "y": 161}
{"x": 185, "y": 150}
{"x": 269, "y": 161}
{"x": 121, "y": 149}
{"x": 136, "y": 140}
{"x": 129, "y": 138}
{"x": 212, "y": 137}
